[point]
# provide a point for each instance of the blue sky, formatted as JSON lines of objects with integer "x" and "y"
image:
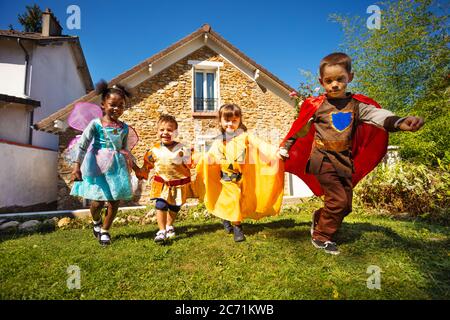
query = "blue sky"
{"x": 282, "y": 36}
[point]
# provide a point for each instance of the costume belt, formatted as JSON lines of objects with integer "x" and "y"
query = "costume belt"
{"x": 337, "y": 146}
{"x": 235, "y": 177}
{"x": 172, "y": 183}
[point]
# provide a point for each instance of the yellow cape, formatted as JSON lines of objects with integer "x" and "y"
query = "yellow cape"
{"x": 259, "y": 193}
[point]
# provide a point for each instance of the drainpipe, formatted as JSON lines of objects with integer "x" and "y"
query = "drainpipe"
{"x": 27, "y": 61}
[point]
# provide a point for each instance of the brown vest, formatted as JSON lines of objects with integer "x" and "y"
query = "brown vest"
{"x": 333, "y": 138}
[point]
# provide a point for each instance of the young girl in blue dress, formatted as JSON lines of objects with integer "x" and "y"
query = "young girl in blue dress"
{"x": 102, "y": 170}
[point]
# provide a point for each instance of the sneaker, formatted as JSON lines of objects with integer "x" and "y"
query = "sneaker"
{"x": 315, "y": 220}
{"x": 96, "y": 229}
{"x": 238, "y": 233}
{"x": 160, "y": 236}
{"x": 318, "y": 244}
{"x": 104, "y": 239}
{"x": 170, "y": 232}
{"x": 227, "y": 226}
{"x": 331, "y": 248}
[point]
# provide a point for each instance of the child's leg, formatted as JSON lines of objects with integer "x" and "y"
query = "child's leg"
{"x": 171, "y": 218}
{"x": 161, "y": 217}
{"x": 111, "y": 212}
{"x": 96, "y": 209}
{"x": 173, "y": 210}
{"x": 338, "y": 202}
{"x": 170, "y": 230}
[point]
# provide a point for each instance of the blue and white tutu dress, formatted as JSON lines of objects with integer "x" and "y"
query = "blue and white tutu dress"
{"x": 104, "y": 169}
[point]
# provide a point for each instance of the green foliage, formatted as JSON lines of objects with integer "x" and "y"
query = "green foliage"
{"x": 404, "y": 65}
{"x": 31, "y": 20}
{"x": 310, "y": 87}
{"x": 430, "y": 145}
{"x": 398, "y": 63}
{"x": 410, "y": 188}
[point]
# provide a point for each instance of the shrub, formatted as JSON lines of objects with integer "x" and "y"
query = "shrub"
{"x": 408, "y": 188}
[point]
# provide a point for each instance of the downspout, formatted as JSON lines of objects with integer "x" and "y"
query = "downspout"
{"x": 27, "y": 61}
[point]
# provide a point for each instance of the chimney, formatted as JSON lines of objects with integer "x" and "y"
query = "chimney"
{"x": 50, "y": 25}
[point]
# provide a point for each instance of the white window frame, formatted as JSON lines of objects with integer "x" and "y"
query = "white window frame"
{"x": 206, "y": 67}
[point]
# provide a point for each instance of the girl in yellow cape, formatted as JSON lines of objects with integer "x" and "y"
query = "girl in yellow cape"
{"x": 240, "y": 176}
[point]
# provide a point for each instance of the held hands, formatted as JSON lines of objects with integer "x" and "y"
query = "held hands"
{"x": 282, "y": 153}
{"x": 138, "y": 172}
{"x": 411, "y": 124}
{"x": 76, "y": 172}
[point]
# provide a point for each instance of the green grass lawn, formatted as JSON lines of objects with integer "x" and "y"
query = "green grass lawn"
{"x": 276, "y": 262}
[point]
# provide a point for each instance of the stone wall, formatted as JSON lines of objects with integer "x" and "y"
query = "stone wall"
{"x": 170, "y": 92}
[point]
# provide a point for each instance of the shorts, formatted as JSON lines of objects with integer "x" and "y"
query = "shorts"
{"x": 162, "y": 205}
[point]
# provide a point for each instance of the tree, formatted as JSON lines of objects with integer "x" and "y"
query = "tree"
{"x": 31, "y": 20}
{"x": 404, "y": 65}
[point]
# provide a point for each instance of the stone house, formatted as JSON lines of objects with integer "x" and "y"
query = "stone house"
{"x": 190, "y": 80}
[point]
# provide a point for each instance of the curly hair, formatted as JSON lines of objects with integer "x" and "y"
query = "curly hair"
{"x": 102, "y": 88}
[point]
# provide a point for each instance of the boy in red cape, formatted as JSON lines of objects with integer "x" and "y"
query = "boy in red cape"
{"x": 337, "y": 139}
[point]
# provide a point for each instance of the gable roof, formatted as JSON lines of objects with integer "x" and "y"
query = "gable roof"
{"x": 74, "y": 43}
{"x": 205, "y": 31}
{"x": 35, "y": 36}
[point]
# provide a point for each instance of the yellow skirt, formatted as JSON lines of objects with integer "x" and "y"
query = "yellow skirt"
{"x": 258, "y": 194}
{"x": 173, "y": 195}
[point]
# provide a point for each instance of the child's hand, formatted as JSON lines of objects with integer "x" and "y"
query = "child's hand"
{"x": 282, "y": 154}
{"x": 139, "y": 174}
{"x": 411, "y": 124}
{"x": 76, "y": 173}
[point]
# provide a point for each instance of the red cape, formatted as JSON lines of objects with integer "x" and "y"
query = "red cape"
{"x": 369, "y": 144}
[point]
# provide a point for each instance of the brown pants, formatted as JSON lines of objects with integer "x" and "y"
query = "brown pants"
{"x": 338, "y": 193}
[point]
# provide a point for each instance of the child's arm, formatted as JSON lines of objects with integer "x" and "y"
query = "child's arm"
{"x": 131, "y": 160}
{"x": 188, "y": 157}
{"x": 83, "y": 145}
{"x": 283, "y": 151}
{"x": 411, "y": 123}
{"x": 149, "y": 161}
{"x": 386, "y": 119}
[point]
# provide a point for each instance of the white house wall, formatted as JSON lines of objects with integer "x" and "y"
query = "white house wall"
{"x": 32, "y": 182}
{"x": 12, "y": 67}
{"x": 300, "y": 189}
{"x": 14, "y": 121}
{"x": 55, "y": 82}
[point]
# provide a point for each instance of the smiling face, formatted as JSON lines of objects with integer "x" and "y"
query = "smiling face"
{"x": 230, "y": 124}
{"x": 113, "y": 106}
{"x": 167, "y": 132}
{"x": 334, "y": 80}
